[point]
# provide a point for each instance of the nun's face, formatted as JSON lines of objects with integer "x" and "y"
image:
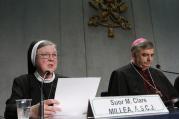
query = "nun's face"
{"x": 46, "y": 59}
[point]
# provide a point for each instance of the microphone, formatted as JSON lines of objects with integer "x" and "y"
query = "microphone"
{"x": 172, "y": 104}
{"x": 42, "y": 95}
{"x": 170, "y": 72}
{"x": 158, "y": 66}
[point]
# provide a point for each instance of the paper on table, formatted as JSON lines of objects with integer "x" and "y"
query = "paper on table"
{"x": 74, "y": 93}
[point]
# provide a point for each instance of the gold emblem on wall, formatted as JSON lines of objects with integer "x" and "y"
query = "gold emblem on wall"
{"x": 108, "y": 15}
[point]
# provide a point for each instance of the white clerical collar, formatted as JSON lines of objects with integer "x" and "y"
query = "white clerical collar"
{"x": 39, "y": 78}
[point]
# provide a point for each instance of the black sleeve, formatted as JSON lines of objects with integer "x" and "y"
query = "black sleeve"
{"x": 10, "y": 111}
{"x": 18, "y": 88}
{"x": 166, "y": 86}
{"x": 117, "y": 84}
{"x": 176, "y": 84}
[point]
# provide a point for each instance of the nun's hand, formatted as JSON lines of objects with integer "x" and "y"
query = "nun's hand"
{"x": 34, "y": 111}
{"x": 49, "y": 109}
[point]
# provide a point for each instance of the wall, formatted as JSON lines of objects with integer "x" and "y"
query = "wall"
{"x": 83, "y": 50}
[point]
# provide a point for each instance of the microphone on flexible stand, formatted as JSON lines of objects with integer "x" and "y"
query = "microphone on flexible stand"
{"x": 173, "y": 103}
{"x": 170, "y": 72}
{"x": 42, "y": 95}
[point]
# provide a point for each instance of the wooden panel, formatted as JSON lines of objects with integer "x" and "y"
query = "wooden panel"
{"x": 142, "y": 19}
{"x": 72, "y": 38}
{"x": 42, "y": 21}
{"x": 105, "y": 54}
{"x": 165, "y": 19}
{"x": 11, "y": 47}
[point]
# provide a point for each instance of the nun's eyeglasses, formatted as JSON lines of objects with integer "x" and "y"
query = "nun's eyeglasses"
{"x": 47, "y": 56}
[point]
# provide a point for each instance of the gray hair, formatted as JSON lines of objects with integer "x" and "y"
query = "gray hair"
{"x": 143, "y": 45}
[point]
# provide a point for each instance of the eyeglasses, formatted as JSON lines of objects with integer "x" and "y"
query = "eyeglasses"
{"x": 47, "y": 56}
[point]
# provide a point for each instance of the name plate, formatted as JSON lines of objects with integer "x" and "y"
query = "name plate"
{"x": 126, "y": 106}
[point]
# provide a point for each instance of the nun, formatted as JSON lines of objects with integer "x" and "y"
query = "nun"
{"x": 42, "y": 63}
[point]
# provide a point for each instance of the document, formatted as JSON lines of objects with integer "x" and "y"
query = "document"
{"x": 74, "y": 94}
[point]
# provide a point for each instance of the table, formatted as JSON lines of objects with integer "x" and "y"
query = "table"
{"x": 172, "y": 115}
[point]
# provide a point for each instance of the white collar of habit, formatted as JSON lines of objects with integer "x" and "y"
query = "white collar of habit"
{"x": 39, "y": 78}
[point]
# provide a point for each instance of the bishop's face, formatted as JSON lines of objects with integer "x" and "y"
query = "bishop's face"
{"x": 144, "y": 58}
{"x": 46, "y": 59}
